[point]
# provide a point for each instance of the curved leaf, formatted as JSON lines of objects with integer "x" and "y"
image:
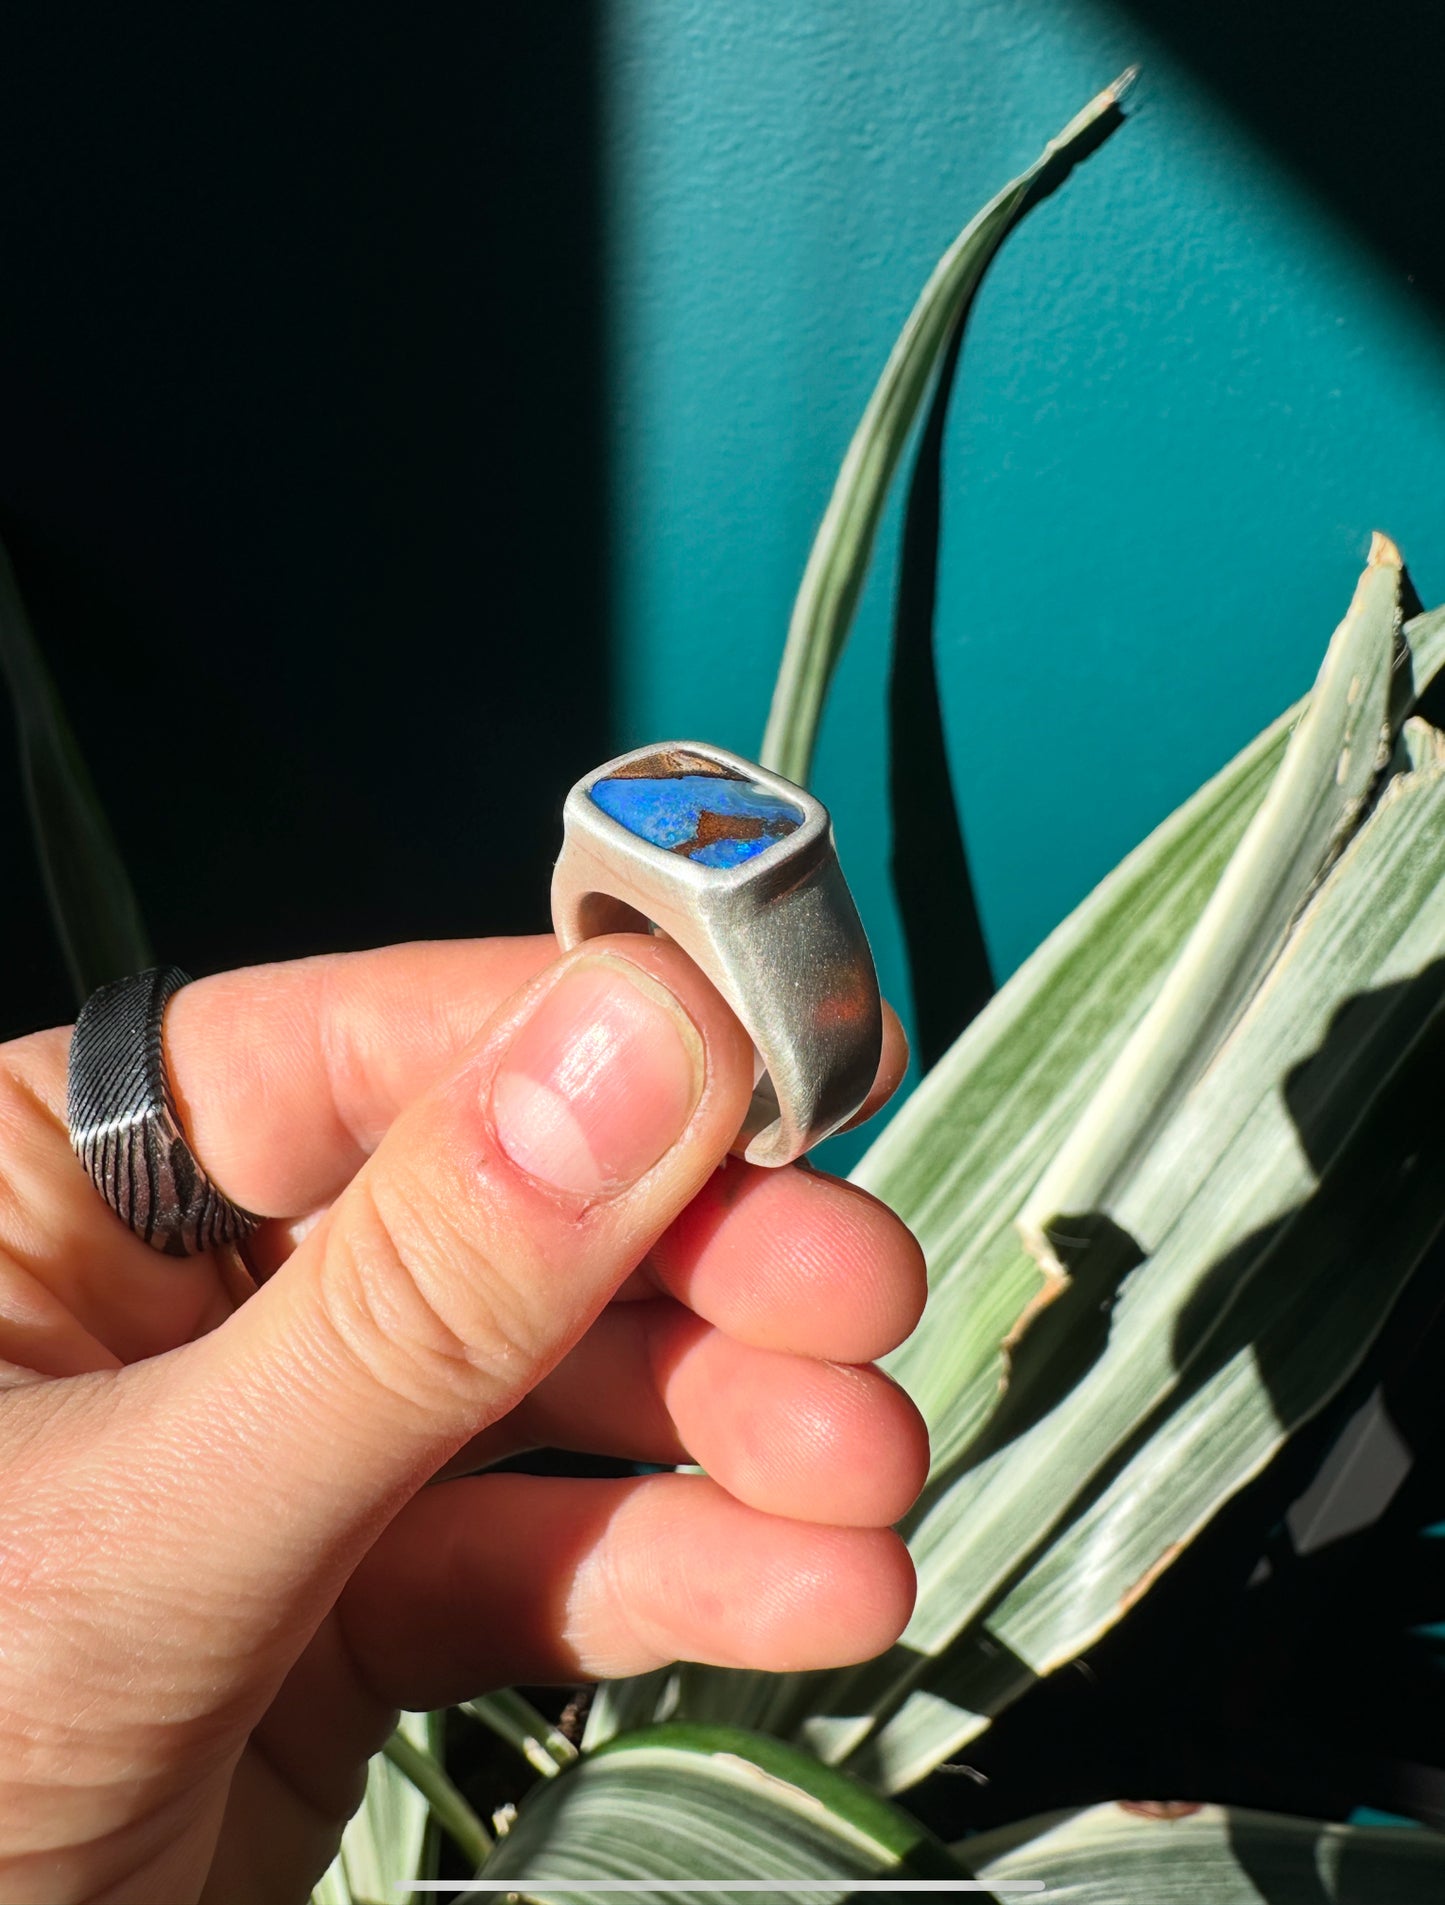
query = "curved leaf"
{"x": 838, "y": 562}
{"x": 696, "y": 1803}
{"x": 1304, "y": 1181}
{"x": 1212, "y": 1855}
{"x": 957, "y": 1162}
{"x": 384, "y": 1840}
{"x": 1335, "y": 754}
{"x": 92, "y": 902}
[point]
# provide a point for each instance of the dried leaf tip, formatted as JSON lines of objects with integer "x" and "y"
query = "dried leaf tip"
{"x": 1123, "y": 85}
{"x": 1384, "y": 553}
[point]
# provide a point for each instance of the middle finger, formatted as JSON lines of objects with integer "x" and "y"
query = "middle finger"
{"x": 790, "y": 1435}
{"x": 793, "y": 1260}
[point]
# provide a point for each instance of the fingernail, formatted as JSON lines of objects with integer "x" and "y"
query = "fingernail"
{"x": 600, "y": 1082}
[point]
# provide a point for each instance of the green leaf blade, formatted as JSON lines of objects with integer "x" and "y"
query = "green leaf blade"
{"x": 515, "y": 1720}
{"x": 956, "y": 1163}
{"x": 1307, "y": 1151}
{"x": 382, "y": 1846}
{"x": 92, "y": 902}
{"x": 1212, "y": 1855}
{"x": 838, "y": 562}
{"x": 694, "y": 1803}
{"x": 1333, "y": 759}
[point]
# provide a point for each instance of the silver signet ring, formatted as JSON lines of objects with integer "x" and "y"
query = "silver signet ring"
{"x": 737, "y": 866}
{"x": 123, "y": 1123}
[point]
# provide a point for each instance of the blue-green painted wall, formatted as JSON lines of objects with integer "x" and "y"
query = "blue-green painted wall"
{"x": 1187, "y": 397}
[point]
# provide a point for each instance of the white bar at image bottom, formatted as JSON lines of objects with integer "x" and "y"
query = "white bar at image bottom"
{"x": 723, "y": 1887}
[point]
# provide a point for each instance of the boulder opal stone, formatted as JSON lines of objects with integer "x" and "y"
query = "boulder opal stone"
{"x": 709, "y": 818}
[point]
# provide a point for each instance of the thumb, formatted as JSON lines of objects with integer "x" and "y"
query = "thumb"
{"x": 494, "y": 1221}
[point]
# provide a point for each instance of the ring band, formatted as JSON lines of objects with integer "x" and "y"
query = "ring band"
{"x": 738, "y": 866}
{"x": 123, "y": 1123}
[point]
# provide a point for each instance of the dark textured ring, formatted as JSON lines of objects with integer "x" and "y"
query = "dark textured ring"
{"x": 123, "y": 1123}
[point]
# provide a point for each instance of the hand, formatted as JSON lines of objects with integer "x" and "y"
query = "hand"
{"x": 221, "y": 1567}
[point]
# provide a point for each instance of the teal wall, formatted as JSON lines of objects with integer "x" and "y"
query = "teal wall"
{"x": 1187, "y": 396}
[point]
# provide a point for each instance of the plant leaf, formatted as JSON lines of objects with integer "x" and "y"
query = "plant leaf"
{"x": 838, "y": 561}
{"x": 1320, "y": 1156}
{"x": 1335, "y": 754}
{"x": 1212, "y": 1856}
{"x": 1425, "y": 652}
{"x": 515, "y": 1720}
{"x": 92, "y": 902}
{"x": 1305, "y": 1151}
{"x": 696, "y": 1803}
{"x": 956, "y": 1162}
{"x": 627, "y": 1706}
{"x": 381, "y": 1848}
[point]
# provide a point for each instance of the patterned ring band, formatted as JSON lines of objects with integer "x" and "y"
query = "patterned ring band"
{"x": 123, "y": 1123}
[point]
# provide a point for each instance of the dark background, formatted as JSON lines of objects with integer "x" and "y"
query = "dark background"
{"x": 301, "y": 461}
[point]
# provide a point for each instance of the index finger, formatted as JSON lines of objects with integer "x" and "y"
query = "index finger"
{"x": 287, "y": 1077}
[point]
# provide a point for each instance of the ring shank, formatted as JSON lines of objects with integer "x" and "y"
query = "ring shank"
{"x": 789, "y": 956}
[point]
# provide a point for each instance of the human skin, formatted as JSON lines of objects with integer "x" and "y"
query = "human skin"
{"x": 499, "y": 1214}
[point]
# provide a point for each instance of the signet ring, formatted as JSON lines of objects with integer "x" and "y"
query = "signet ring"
{"x": 737, "y": 866}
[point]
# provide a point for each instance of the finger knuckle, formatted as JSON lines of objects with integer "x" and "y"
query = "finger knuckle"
{"x": 410, "y": 1298}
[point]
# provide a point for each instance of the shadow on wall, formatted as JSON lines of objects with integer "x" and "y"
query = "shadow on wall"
{"x": 302, "y": 463}
{"x": 1348, "y": 98}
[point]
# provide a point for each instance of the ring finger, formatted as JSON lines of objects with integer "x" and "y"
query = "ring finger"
{"x": 617, "y": 1578}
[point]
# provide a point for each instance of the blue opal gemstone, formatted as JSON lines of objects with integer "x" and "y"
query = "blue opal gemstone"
{"x": 703, "y": 817}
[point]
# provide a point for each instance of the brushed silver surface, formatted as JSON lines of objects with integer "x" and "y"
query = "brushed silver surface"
{"x": 123, "y": 1124}
{"x": 779, "y": 936}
